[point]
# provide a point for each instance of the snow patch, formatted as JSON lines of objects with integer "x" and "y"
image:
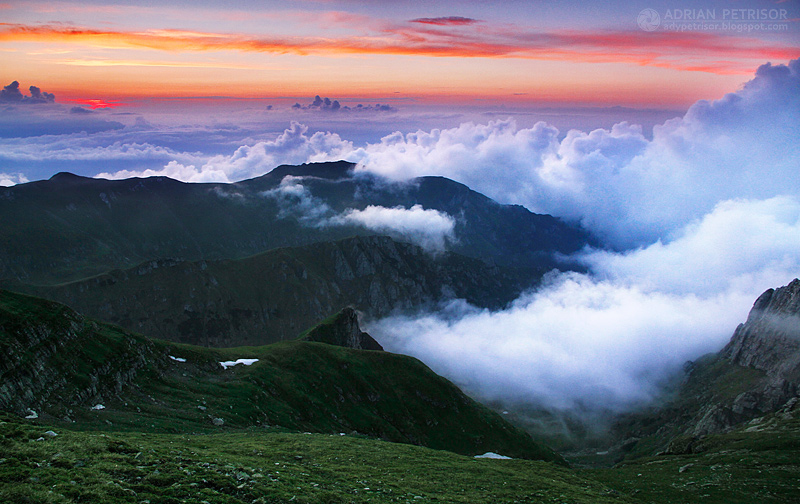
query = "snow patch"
{"x": 492, "y": 455}
{"x": 177, "y": 359}
{"x": 230, "y": 363}
{"x": 32, "y": 415}
{"x": 98, "y": 407}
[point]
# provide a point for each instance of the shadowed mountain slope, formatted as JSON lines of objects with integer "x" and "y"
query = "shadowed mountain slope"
{"x": 72, "y": 227}
{"x": 278, "y": 294}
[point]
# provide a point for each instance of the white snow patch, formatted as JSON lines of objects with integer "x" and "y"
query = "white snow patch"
{"x": 98, "y": 407}
{"x": 32, "y": 415}
{"x": 493, "y": 455}
{"x": 178, "y": 359}
{"x": 230, "y": 363}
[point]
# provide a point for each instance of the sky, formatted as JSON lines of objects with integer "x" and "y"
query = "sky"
{"x": 667, "y": 128}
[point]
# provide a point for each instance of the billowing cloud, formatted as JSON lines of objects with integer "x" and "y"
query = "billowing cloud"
{"x": 293, "y": 146}
{"x": 12, "y": 94}
{"x": 705, "y": 216}
{"x": 626, "y": 188}
{"x": 295, "y": 199}
{"x": 428, "y": 228}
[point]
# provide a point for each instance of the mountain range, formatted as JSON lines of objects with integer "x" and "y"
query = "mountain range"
{"x": 71, "y": 227}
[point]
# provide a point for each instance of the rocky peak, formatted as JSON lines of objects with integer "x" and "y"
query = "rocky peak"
{"x": 770, "y": 338}
{"x": 343, "y": 330}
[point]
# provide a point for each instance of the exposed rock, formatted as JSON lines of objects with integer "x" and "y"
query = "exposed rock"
{"x": 343, "y": 330}
{"x": 35, "y": 341}
{"x": 770, "y": 339}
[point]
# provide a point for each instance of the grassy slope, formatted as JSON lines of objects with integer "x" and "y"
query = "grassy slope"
{"x": 265, "y": 467}
{"x": 758, "y": 462}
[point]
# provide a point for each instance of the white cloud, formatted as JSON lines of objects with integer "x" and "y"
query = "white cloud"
{"x": 577, "y": 344}
{"x": 294, "y": 199}
{"x": 10, "y": 179}
{"x": 606, "y": 340}
{"x": 293, "y": 146}
{"x": 746, "y": 245}
{"x": 428, "y": 228}
{"x": 173, "y": 170}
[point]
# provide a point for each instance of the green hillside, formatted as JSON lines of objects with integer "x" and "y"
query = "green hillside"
{"x": 64, "y": 367}
{"x": 259, "y": 466}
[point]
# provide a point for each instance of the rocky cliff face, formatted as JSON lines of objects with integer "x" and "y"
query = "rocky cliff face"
{"x": 343, "y": 330}
{"x": 770, "y": 339}
{"x": 277, "y": 295}
{"x": 47, "y": 367}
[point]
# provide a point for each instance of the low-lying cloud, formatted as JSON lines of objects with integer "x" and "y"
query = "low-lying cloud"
{"x": 431, "y": 229}
{"x": 607, "y": 340}
{"x": 10, "y": 179}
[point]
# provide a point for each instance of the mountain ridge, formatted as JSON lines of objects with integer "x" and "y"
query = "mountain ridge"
{"x": 275, "y": 295}
{"x": 72, "y": 227}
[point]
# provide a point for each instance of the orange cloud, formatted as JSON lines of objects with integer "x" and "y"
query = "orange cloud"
{"x": 692, "y": 51}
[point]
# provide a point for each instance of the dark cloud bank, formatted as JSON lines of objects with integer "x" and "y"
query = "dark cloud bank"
{"x": 12, "y": 94}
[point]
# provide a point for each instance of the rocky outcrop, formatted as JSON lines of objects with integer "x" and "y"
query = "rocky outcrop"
{"x": 770, "y": 339}
{"x": 343, "y": 330}
{"x": 767, "y": 346}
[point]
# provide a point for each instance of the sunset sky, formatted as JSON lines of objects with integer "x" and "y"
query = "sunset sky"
{"x": 192, "y": 79}
{"x": 511, "y": 52}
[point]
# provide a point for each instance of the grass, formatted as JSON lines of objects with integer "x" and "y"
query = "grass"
{"x": 259, "y": 466}
{"x": 758, "y": 462}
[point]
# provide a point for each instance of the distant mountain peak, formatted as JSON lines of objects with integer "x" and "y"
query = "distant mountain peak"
{"x": 332, "y": 170}
{"x": 63, "y": 177}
